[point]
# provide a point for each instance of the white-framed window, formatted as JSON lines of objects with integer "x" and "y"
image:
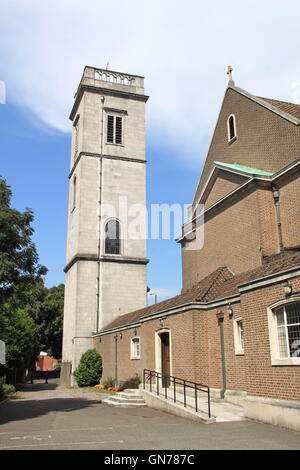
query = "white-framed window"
{"x": 284, "y": 331}
{"x": 114, "y": 129}
{"x": 238, "y": 331}
{"x": 231, "y": 128}
{"x": 135, "y": 347}
{"x": 288, "y": 329}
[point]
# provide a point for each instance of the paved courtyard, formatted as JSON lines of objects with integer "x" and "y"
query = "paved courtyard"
{"x": 48, "y": 417}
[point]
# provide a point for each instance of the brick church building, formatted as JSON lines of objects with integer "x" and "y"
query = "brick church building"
{"x": 236, "y": 324}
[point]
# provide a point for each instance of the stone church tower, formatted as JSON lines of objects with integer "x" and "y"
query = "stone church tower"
{"x": 106, "y": 265}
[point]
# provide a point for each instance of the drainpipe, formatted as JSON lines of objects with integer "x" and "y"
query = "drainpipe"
{"x": 276, "y": 196}
{"x": 98, "y": 298}
{"x": 116, "y": 359}
{"x": 220, "y": 318}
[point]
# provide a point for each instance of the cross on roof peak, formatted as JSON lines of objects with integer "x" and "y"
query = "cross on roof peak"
{"x": 229, "y": 73}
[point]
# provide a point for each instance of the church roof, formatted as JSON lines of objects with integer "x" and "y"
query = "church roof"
{"x": 202, "y": 291}
{"x": 279, "y": 263}
{"x": 220, "y": 284}
{"x": 289, "y": 108}
{"x": 244, "y": 169}
{"x": 289, "y": 111}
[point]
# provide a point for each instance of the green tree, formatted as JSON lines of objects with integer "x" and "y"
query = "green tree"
{"x": 20, "y": 278}
{"x": 49, "y": 320}
{"x": 19, "y": 334}
{"x": 18, "y": 255}
{"x": 89, "y": 370}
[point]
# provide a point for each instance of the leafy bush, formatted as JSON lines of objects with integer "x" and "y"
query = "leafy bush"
{"x": 109, "y": 383}
{"x": 89, "y": 370}
{"x": 8, "y": 388}
{"x": 134, "y": 382}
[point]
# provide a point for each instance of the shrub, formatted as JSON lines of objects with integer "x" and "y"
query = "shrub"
{"x": 8, "y": 388}
{"x": 109, "y": 383}
{"x": 89, "y": 370}
{"x": 134, "y": 382}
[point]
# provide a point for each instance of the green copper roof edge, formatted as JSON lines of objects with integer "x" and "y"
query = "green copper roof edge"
{"x": 244, "y": 169}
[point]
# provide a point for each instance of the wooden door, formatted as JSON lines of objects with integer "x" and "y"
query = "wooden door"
{"x": 165, "y": 358}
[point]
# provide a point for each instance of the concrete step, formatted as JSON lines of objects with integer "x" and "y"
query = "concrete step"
{"x": 120, "y": 399}
{"x": 132, "y": 391}
{"x": 129, "y": 395}
{"x": 123, "y": 405}
{"x": 126, "y": 398}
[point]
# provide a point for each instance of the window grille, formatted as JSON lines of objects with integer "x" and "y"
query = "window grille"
{"x": 114, "y": 129}
{"x": 110, "y": 129}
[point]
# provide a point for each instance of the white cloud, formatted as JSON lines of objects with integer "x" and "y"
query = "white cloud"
{"x": 182, "y": 49}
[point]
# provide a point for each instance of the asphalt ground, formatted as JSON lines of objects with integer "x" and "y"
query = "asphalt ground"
{"x": 47, "y": 417}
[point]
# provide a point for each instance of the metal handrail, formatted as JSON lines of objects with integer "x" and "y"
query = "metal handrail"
{"x": 168, "y": 379}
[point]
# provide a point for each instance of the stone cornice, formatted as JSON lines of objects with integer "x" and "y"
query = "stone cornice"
{"x": 108, "y": 157}
{"x": 105, "y": 258}
{"x": 104, "y": 91}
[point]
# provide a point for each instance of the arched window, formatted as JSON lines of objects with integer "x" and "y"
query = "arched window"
{"x": 112, "y": 237}
{"x": 231, "y": 127}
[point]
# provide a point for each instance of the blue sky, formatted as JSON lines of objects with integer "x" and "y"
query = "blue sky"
{"x": 182, "y": 49}
{"x": 35, "y": 163}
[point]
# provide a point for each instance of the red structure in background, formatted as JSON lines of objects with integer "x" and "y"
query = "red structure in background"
{"x": 45, "y": 362}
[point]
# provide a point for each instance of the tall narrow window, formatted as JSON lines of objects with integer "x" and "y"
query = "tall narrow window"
{"x": 238, "y": 332}
{"x": 135, "y": 348}
{"x": 110, "y": 129}
{"x": 118, "y": 130}
{"x": 112, "y": 237}
{"x": 114, "y": 134}
{"x": 74, "y": 193}
{"x": 231, "y": 125}
{"x": 76, "y": 134}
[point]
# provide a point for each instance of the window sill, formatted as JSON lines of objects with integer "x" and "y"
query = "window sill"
{"x": 135, "y": 358}
{"x": 286, "y": 362}
{"x": 239, "y": 353}
{"x": 232, "y": 140}
{"x": 116, "y": 145}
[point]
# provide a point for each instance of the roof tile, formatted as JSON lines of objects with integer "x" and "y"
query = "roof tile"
{"x": 218, "y": 285}
{"x": 289, "y": 108}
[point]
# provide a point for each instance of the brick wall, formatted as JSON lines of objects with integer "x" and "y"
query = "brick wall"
{"x": 240, "y": 232}
{"x": 196, "y": 351}
{"x": 224, "y": 184}
{"x": 289, "y": 190}
{"x": 231, "y": 238}
{"x": 276, "y": 140}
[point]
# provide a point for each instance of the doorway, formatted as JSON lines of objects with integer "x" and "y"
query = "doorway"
{"x": 165, "y": 358}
